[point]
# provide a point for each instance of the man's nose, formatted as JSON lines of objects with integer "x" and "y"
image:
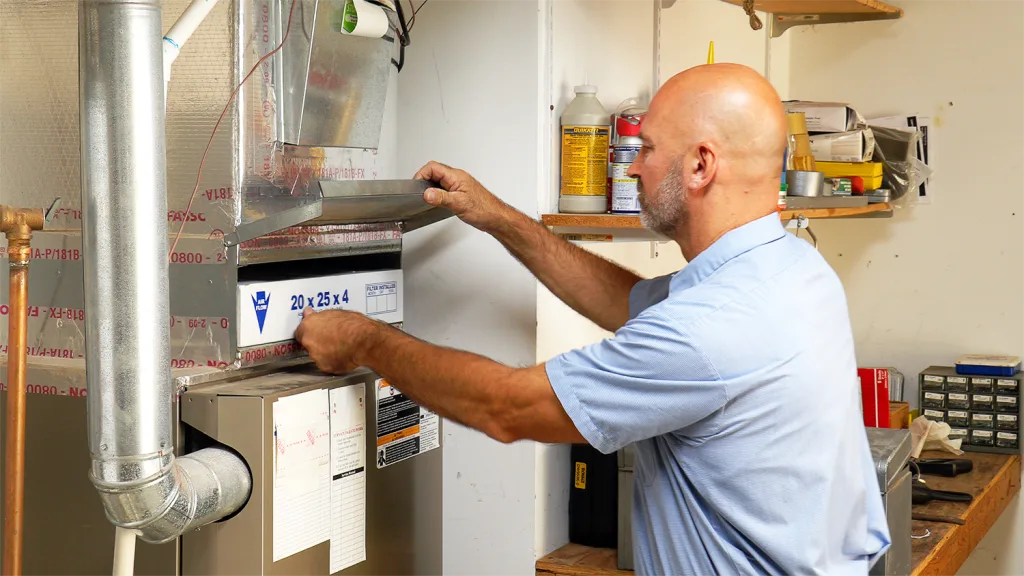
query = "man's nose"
{"x": 634, "y": 169}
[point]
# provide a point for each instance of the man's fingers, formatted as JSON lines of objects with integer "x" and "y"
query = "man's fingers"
{"x": 444, "y": 175}
{"x": 301, "y": 330}
{"x": 432, "y": 171}
{"x": 437, "y": 197}
{"x": 427, "y": 172}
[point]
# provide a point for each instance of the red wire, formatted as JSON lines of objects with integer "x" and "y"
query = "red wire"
{"x": 216, "y": 127}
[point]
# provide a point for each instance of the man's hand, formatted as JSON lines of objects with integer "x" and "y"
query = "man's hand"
{"x": 464, "y": 196}
{"x": 336, "y": 340}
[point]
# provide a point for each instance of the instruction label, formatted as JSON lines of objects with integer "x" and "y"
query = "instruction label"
{"x": 348, "y": 476}
{"x": 404, "y": 429}
{"x": 585, "y": 160}
{"x": 302, "y": 496}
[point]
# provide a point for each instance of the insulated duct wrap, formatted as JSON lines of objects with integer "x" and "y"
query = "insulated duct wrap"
{"x": 125, "y": 243}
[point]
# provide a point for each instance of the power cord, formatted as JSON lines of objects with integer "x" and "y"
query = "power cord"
{"x": 403, "y": 36}
{"x": 416, "y": 11}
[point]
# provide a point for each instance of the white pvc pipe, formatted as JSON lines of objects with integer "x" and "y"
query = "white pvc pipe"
{"x": 181, "y": 31}
{"x": 124, "y": 552}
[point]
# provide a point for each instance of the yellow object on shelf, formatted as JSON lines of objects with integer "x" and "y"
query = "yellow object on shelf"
{"x": 800, "y": 143}
{"x": 870, "y": 172}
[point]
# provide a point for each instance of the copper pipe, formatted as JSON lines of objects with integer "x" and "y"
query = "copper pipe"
{"x": 17, "y": 225}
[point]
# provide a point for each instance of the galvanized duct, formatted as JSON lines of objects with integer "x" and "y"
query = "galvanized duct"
{"x": 124, "y": 235}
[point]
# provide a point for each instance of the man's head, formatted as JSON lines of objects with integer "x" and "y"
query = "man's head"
{"x": 712, "y": 156}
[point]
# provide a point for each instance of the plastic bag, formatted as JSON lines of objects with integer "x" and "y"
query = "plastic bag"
{"x": 902, "y": 172}
{"x": 928, "y": 435}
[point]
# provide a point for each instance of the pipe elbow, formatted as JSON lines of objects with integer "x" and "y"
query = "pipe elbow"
{"x": 183, "y": 494}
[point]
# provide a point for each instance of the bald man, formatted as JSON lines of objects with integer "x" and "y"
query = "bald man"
{"x": 751, "y": 455}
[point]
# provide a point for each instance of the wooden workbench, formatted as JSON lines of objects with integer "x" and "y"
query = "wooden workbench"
{"x": 994, "y": 482}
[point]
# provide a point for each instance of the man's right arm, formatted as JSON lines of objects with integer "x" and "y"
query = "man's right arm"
{"x": 590, "y": 285}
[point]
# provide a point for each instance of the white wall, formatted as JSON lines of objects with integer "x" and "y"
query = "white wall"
{"x": 467, "y": 97}
{"x": 621, "y": 64}
{"x": 943, "y": 279}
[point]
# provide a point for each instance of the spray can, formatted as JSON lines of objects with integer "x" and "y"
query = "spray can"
{"x": 585, "y": 138}
{"x": 628, "y": 108}
{"x": 625, "y": 195}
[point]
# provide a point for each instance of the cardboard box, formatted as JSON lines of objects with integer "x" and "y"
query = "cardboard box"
{"x": 827, "y": 116}
{"x": 855, "y": 146}
{"x": 899, "y": 415}
{"x": 874, "y": 386}
{"x": 869, "y": 172}
{"x": 271, "y": 311}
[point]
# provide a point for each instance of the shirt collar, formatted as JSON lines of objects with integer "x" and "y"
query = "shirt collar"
{"x": 732, "y": 244}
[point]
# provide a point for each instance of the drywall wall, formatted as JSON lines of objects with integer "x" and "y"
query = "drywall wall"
{"x": 689, "y": 25}
{"x": 621, "y": 64}
{"x": 610, "y": 44}
{"x": 943, "y": 279}
{"x": 560, "y": 329}
{"x": 467, "y": 97}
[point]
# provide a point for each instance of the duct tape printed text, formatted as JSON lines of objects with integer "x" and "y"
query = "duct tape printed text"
{"x": 45, "y": 312}
{"x": 51, "y": 390}
{"x": 57, "y": 333}
{"x": 49, "y": 253}
{"x": 271, "y": 352}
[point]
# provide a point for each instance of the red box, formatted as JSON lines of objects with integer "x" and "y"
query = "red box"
{"x": 874, "y": 391}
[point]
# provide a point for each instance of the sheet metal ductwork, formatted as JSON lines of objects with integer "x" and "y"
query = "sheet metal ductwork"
{"x": 125, "y": 240}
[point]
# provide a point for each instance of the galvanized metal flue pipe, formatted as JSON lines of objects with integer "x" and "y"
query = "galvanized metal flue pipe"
{"x": 17, "y": 224}
{"x": 142, "y": 485}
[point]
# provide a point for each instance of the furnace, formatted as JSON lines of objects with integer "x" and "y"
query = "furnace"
{"x": 169, "y": 306}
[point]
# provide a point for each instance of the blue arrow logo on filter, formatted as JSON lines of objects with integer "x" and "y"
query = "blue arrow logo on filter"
{"x": 260, "y": 302}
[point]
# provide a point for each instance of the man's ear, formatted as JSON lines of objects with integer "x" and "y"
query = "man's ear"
{"x": 705, "y": 166}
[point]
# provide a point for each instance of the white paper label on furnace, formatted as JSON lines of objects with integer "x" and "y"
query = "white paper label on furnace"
{"x": 348, "y": 476}
{"x": 404, "y": 429}
{"x": 302, "y": 473}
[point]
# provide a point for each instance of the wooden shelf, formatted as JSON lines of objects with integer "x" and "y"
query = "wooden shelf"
{"x": 822, "y": 6}
{"x": 612, "y": 222}
{"x": 789, "y": 13}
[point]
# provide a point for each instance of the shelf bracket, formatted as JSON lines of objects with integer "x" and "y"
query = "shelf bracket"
{"x": 779, "y": 23}
{"x": 801, "y": 222}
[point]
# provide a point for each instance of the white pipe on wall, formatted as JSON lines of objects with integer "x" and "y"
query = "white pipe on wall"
{"x": 181, "y": 31}
{"x": 124, "y": 552}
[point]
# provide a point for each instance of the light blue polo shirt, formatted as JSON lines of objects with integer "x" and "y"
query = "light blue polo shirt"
{"x": 736, "y": 379}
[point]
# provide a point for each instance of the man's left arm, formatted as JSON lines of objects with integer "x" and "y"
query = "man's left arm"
{"x": 507, "y": 404}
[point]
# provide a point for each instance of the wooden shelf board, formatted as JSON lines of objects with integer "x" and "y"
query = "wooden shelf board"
{"x": 994, "y": 483}
{"x": 618, "y": 221}
{"x": 822, "y": 6}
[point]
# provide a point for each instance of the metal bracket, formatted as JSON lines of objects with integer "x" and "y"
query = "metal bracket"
{"x": 781, "y": 22}
{"x": 802, "y": 222}
{"x": 278, "y": 221}
{"x": 52, "y": 210}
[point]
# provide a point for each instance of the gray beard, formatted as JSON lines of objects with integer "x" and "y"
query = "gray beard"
{"x": 665, "y": 214}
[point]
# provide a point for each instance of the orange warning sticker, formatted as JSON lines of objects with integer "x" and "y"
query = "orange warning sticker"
{"x": 404, "y": 429}
{"x": 395, "y": 437}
